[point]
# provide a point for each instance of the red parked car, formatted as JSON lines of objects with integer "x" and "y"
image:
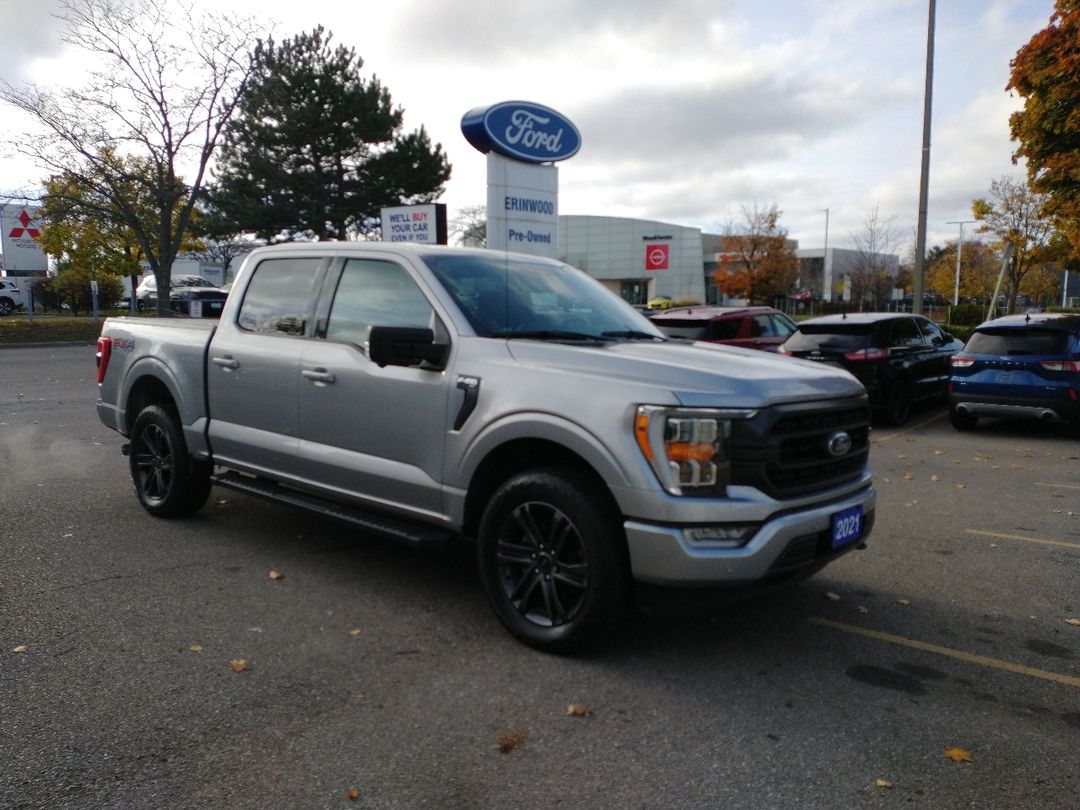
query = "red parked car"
{"x": 762, "y": 328}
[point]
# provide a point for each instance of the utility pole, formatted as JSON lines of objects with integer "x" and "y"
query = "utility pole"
{"x": 924, "y": 177}
{"x": 826, "y": 292}
{"x": 959, "y": 251}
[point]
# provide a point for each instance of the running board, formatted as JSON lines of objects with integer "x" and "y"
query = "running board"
{"x": 414, "y": 534}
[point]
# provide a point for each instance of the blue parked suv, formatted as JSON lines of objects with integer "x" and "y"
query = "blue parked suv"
{"x": 1020, "y": 365}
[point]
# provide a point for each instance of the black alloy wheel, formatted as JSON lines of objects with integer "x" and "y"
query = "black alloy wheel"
{"x": 543, "y": 567}
{"x": 897, "y": 407}
{"x": 168, "y": 482}
{"x": 553, "y": 559}
{"x": 962, "y": 421}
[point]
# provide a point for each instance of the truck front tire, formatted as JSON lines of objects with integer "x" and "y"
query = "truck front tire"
{"x": 553, "y": 560}
{"x": 168, "y": 482}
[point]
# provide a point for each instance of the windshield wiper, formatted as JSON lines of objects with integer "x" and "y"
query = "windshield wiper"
{"x": 632, "y": 334}
{"x": 549, "y": 334}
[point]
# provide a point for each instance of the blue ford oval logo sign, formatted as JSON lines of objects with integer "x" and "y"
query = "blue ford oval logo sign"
{"x": 839, "y": 443}
{"x": 522, "y": 131}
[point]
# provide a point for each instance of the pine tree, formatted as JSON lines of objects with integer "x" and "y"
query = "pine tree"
{"x": 316, "y": 150}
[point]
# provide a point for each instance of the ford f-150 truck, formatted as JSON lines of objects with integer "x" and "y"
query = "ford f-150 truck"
{"x": 429, "y": 393}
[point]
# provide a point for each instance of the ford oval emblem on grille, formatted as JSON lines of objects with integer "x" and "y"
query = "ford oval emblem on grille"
{"x": 839, "y": 443}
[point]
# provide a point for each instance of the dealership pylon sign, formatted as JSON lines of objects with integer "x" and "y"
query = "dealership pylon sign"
{"x": 20, "y": 233}
{"x": 522, "y": 141}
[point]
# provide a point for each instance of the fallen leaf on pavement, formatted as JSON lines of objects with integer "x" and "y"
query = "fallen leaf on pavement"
{"x": 22, "y": 648}
{"x": 959, "y": 755}
{"x": 903, "y": 602}
{"x": 1073, "y": 622}
{"x": 832, "y": 597}
{"x": 352, "y": 795}
{"x": 511, "y": 740}
{"x": 238, "y": 665}
{"x": 355, "y": 631}
{"x": 196, "y": 648}
{"x": 276, "y": 575}
{"x": 577, "y": 710}
{"x": 863, "y": 610}
{"x": 882, "y": 783}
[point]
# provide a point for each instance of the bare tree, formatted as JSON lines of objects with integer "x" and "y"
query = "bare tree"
{"x": 873, "y": 271}
{"x": 1014, "y": 213}
{"x": 470, "y": 226}
{"x": 161, "y": 91}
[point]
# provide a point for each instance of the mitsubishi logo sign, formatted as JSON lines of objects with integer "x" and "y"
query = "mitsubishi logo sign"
{"x": 20, "y": 240}
{"x": 24, "y": 219}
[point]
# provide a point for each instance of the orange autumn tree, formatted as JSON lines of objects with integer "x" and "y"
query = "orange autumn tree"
{"x": 1046, "y": 74}
{"x": 757, "y": 260}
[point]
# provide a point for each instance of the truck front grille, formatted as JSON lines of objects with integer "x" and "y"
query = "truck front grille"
{"x": 785, "y": 451}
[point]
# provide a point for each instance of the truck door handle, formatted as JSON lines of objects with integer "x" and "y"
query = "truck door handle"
{"x": 318, "y": 375}
{"x": 226, "y": 363}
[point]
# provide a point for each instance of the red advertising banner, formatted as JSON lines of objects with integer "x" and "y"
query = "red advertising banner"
{"x": 656, "y": 257}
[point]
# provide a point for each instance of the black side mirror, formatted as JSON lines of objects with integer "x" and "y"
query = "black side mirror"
{"x": 405, "y": 346}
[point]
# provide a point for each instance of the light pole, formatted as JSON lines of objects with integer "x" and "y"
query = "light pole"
{"x": 959, "y": 251}
{"x": 826, "y": 279}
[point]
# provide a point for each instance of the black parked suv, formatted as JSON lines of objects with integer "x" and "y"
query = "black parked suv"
{"x": 900, "y": 358}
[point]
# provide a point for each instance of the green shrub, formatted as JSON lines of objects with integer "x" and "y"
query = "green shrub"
{"x": 48, "y": 329}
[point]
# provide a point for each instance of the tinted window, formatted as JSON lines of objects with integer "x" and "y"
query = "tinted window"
{"x": 1018, "y": 341}
{"x": 931, "y": 331}
{"x": 761, "y": 326}
{"x": 693, "y": 330}
{"x": 830, "y": 337}
{"x": 276, "y": 298}
{"x": 783, "y": 325}
{"x": 905, "y": 332}
{"x": 372, "y": 293}
{"x": 698, "y": 329}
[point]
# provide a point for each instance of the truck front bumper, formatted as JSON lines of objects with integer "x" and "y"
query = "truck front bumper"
{"x": 784, "y": 545}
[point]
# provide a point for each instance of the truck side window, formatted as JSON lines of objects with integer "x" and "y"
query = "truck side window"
{"x": 375, "y": 293}
{"x": 276, "y": 298}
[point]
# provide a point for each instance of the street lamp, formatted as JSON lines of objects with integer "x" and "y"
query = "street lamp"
{"x": 959, "y": 251}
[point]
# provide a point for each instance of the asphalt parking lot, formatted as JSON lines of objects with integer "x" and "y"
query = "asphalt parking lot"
{"x": 940, "y": 667}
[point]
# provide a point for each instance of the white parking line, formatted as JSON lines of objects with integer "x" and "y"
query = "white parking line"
{"x": 1058, "y": 486}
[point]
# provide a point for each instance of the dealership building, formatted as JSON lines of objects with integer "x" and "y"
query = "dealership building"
{"x": 640, "y": 259}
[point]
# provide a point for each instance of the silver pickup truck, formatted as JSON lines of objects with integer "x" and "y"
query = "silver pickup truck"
{"x": 429, "y": 393}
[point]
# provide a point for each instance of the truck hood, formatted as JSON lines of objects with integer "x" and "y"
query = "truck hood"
{"x": 698, "y": 374}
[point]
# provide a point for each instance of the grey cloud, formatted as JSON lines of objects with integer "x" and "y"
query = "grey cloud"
{"x": 29, "y": 31}
{"x": 492, "y": 32}
{"x": 727, "y": 125}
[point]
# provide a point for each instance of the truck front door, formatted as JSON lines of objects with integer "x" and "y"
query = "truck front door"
{"x": 374, "y": 434}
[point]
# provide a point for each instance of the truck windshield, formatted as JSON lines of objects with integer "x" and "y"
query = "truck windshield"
{"x": 513, "y": 297}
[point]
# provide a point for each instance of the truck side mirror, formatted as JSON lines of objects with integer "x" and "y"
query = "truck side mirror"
{"x": 405, "y": 346}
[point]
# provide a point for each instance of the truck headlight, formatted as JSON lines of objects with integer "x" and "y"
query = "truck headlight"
{"x": 689, "y": 449}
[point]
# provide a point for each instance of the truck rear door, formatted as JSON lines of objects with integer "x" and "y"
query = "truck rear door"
{"x": 253, "y": 367}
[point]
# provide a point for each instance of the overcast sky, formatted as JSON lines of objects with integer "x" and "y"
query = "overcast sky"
{"x": 688, "y": 109}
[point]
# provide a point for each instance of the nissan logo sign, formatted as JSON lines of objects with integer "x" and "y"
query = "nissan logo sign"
{"x": 839, "y": 444}
{"x": 521, "y": 130}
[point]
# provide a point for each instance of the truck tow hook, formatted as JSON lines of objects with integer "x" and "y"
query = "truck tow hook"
{"x": 125, "y": 449}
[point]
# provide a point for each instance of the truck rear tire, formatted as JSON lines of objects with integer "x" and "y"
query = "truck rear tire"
{"x": 552, "y": 556}
{"x": 168, "y": 482}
